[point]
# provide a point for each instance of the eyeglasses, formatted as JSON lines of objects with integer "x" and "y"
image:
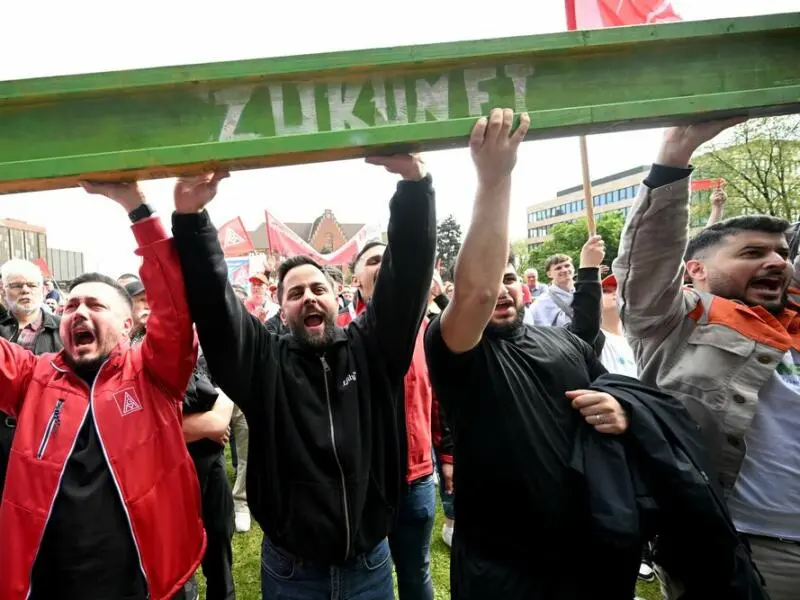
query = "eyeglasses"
{"x": 18, "y": 285}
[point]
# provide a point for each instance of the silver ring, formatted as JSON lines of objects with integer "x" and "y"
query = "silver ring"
{"x": 598, "y": 419}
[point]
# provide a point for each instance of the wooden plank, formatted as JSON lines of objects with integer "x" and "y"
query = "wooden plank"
{"x": 177, "y": 120}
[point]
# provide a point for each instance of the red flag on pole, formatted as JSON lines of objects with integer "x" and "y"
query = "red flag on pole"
{"x": 286, "y": 242}
{"x": 42, "y": 264}
{"x": 234, "y": 239}
{"x": 597, "y": 14}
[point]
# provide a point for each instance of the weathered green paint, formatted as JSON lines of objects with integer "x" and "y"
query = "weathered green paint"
{"x": 166, "y": 121}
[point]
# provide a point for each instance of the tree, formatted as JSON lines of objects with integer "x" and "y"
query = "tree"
{"x": 760, "y": 163}
{"x": 519, "y": 252}
{"x": 569, "y": 238}
{"x": 448, "y": 242}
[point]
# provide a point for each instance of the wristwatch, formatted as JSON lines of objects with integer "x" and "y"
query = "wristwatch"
{"x": 140, "y": 212}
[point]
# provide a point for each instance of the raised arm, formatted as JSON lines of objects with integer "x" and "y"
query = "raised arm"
{"x": 16, "y": 370}
{"x": 588, "y": 297}
{"x": 649, "y": 266}
{"x": 398, "y": 304}
{"x": 484, "y": 254}
{"x": 235, "y": 344}
{"x": 169, "y": 349}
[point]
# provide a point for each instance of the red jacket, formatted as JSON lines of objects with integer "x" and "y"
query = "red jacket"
{"x": 136, "y": 403}
{"x": 417, "y": 402}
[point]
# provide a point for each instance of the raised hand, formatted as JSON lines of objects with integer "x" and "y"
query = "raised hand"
{"x": 410, "y": 167}
{"x": 126, "y": 194}
{"x": 681, "y": 142}
{"x": 718, "y": 198}
{"x": 494, "y": 147}
{"x": 593, "y": 252}
{"x": 192, "y": 194}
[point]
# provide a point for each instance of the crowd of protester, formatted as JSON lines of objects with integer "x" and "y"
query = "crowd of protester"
{"x": 640, "y": 423}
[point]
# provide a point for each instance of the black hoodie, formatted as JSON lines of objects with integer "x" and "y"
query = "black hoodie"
{"x": 325, "y": 465}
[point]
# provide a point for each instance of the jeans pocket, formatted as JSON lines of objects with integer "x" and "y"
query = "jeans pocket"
{"x": 275, "y": 562}
{"x": 377, "y": 557}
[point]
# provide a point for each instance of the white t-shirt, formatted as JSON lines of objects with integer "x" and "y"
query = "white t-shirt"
{"x": 766, "y": 496}
{"x": 617, "y": 355}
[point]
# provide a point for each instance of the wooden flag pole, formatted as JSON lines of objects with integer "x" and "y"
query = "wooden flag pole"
{"x": 587, "y": 188}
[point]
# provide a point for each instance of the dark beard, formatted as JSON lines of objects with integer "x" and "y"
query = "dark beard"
{"x": 298, "y": 330}
{"x": 85, "y": 370}
{"x": 506, "y": 329}
{"x": 776, "y": 308}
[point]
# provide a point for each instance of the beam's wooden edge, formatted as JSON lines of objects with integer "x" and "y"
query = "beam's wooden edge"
{"x": 390, "y": 57}
{"x": 352, "y": 152}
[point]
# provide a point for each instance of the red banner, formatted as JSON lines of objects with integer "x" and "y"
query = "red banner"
{"x": 598, "y": 14}
{"x": 283, "y": 242}
{"x": 234, "y": 239}
{"x": 700, "y": 185}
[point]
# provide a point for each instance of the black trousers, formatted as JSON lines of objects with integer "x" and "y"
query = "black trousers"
{"x": 549, "y": 574}
{"x": 217, "y": 501}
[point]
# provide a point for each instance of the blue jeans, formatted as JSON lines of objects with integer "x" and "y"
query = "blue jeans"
{"x": 365, "y": 577}
{"x": 411, "y": 540}
{"x": 447, "y": 499}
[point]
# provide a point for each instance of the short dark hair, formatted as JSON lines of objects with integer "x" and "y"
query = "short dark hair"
{"x": 100, "y": 278}
{"x": 292, "y": 263}
{"x": 333, "y": 273}
{"x": 714, "y": 235}
{"x": 128, "y": 276}
{"x": 367, "y": 247}
{"x": 556, "y": 259}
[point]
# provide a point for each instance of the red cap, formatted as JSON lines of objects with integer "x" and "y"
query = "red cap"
{"x": 259, "y": 278}
{"x": 609, "y": 282}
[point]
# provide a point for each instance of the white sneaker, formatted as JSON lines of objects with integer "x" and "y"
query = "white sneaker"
{"x": 447, "y": 535}
{"x": 646, "y": 572}
{"x": 242, "y": 522}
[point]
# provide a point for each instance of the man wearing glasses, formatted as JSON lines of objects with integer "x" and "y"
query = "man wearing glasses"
{"x": 27, "y": 324}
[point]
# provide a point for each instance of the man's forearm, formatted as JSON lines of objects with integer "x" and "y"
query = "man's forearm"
{"x": 484, "y": 253}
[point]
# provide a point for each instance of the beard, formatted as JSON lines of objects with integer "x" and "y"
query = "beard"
{"x": 507, "y": 328}
{"x": 721, "y": 285}
{"x": 86, "y": 369}
{"x": 29, "y": 309}
{"x": 315, "y": 342}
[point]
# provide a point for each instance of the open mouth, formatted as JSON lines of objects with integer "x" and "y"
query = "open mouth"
{"x": 504, "y": 305}
{"x": 767, "y": 284}
{"x": 313, "y": 320}
{"x": 82, "y": 337}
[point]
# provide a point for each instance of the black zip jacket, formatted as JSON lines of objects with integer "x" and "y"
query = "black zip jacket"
{"x": 325, "y": 465}
{"x": 653, "y": 482}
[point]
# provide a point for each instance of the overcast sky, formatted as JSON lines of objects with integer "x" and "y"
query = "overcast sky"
{"x": 84, "y": 36}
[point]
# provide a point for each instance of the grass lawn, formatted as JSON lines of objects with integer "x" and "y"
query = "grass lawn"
{"x": 247, "y": 563}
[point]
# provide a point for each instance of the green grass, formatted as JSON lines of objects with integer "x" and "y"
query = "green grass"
{"x": 247, "y": 563}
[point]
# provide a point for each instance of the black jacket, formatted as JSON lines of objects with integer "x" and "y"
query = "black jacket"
{"x": 653, "y": 482}
{"x": 47, "y": 340}
{"x": 325, "y": 465}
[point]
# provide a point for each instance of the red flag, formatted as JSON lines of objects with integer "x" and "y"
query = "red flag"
{"x": 234, "y": 239}
{"x": 699, "y": 185}
{"x": 42, "y": 264}
{"x": 348, "y": 252}
{"x": 286, "y": 242}
{"x": 597, "y": 14}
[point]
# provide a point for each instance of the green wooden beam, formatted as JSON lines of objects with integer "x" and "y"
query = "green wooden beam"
{"x": 254, "y": 113}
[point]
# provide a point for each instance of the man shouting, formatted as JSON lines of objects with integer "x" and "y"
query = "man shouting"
{"x": 101, "y": 498}
{"x": 326, "y": 459}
